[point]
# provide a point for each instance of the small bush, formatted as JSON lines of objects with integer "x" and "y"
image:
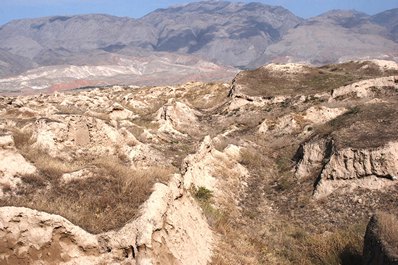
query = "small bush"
{"x": 388, "y": 225}
{"x": 341, "y": 247}
{"x": 106, "y": 200}
{"x": 203, "y": 194}
{"x": 251, "y": 157}
{"x": 22, "y": 139}
{"x": 34, "y": 180}
{"x": 6, "y": 188}
{"x": 285, "y": 183}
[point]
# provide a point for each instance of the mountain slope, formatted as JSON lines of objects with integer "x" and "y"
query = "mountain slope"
{"x": 388, "y": 19}
{"x": 73, "y": 34}
{"x": 13, "y": 64}
{"x": 334, "y": 36}
{"x": 241, "y": 35}
{"x": 229, "y": 33}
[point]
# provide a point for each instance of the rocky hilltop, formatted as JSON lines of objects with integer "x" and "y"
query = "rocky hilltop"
{"x": 284, "y": 165}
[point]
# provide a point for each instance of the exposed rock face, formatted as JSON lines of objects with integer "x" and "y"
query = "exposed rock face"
{"x": 365, "y": 88}
{"x": 254, "y": 25}
{"x": 12, "y": 164}
{"x": 29, "y": 236}
{"x": 217, "y": 171}
{"x": 349, "y": 168}
{"x": 377, "y": 250}
{"x": 170, "y": 230}
{"x": 354, "y": 30}
{"x": 297, "y": 121}
{"x": 177, "y": 117}
{"x": 170, "y": 227}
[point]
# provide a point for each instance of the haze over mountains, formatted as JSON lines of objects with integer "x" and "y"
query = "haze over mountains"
{"x": 229, "y": 34}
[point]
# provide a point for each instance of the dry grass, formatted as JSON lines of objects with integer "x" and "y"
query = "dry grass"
{"x": 48, "y": 166}
{"x": 69, "y": 110}
{"x": 22, "y": 139}
{"x": 100, "y": 203}
{"x": 12, "y": 113}
{"x": 221, "y": 221}
{"x": 343, "y": 246}
{"x": 356, "y": 127}
{"x": 206, "y": 96}
{"x": 260, "y": 82}
{"x": 251, "y": 158}
{"x": 388, "y": 226}
{"x": 289, "y": 244}
{"x": 105, "y": 201}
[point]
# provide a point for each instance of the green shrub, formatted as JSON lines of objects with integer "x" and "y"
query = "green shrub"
{"x": 203, "y": 194}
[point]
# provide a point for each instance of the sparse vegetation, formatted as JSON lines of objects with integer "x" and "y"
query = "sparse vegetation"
{"x": 251, "y": 157}
{"x": 217, "y": 218}
{"x": 261, "y": 82}
{"x": 203, "y": 194}
{"x": 343, "y": 246}
{"x": 105, "y": 201}
{"x": 206, "y": 96}
{"x": 388, "y": 229}
{"x": 356, "y": 127}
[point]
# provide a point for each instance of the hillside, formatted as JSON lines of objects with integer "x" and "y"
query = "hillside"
{"x": 143, "y": 69}
{"x": 284, "y": 165}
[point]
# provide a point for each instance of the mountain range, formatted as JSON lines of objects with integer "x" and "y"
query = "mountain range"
{"x": 237, "y": 35}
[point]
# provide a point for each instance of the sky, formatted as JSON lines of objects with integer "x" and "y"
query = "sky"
{"x": 17, "y": 9}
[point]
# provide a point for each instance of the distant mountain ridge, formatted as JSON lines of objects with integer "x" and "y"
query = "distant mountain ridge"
{"x": 232, "y": 34}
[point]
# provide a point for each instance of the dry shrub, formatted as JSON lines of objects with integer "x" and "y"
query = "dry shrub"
{"x": 51, "y": 167}
{"x": 388, "y": 225}
{"x": 34, "y": 180}
{"x": 69, "y": 110}
{"x": 103, "y": 202}
{"x": 22, "y": 139}
{"x": 6, "y": 187}
{"x": 98, "y": 204}
{"x": 251, "y": 157}
{"x": 19, "y": 113}
{"x": 47, "y": 165}
{"x": 343, "y": 246}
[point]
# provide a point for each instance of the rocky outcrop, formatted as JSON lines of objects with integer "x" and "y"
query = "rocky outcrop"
{"x": 127, "y": 168}
{"x": 176, "y": 117}
{"x": 12, "y": 164}
{"x": 296, "y": 121}
{"x": 377, "y": 250}
{"x": 32, "y": 237}
{"x": 170, "y": 230}
{"x": 366, "y": 88}
{"x": 286, "y": 69}
{"x": 347, "y": 168}
{"x": 217, "y": 171}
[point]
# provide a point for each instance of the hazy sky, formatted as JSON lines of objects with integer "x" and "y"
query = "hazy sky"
{"x": 15, "y": 9}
